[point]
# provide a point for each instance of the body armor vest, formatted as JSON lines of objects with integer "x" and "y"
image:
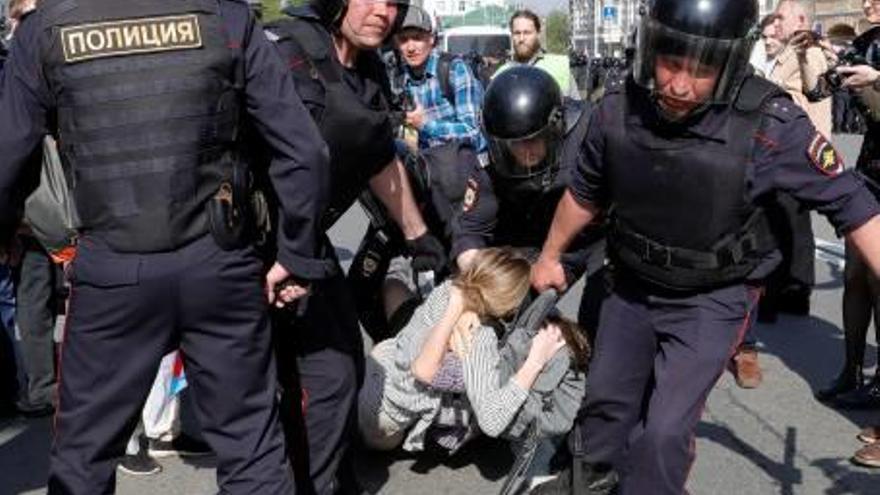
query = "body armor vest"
{"x": 357, "y": 128}
{"x": 147, "y": 112}
{"x": 680, "y": 214}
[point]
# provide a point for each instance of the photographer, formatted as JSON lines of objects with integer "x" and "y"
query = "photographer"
{"x": 856, "y": 71}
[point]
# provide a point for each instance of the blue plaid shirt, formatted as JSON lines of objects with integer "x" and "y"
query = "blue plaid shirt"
{"x": 446, "y": 121}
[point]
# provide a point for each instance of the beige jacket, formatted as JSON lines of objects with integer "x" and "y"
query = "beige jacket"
{"x": 787, "y": 74}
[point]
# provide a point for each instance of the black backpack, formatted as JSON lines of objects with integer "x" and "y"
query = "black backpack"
{"x": 479, "y": 67}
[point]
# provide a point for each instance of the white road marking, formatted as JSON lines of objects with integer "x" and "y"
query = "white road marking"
{"x": 830, "y": 251}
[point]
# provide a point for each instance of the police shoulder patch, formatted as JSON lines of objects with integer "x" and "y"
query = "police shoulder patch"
{"x": 471, "y": 195}
{"x": 130, "y": 36}
{"x": 823, "y": 156}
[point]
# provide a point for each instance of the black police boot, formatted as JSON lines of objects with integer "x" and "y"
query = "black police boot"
{"x": 795, "y": 300}
{"x": 864, "y": 397}
{"x": 768, "y": 311}
{"x": 580, "y": 478}
{"x": 849, "y": 379}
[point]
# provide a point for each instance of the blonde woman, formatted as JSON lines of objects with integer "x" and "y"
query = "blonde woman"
{"x": 441, "y": 369}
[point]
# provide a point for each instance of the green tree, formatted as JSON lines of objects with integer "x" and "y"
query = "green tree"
{"x": 271, "y": 8}
{"x": 556, "y": 32}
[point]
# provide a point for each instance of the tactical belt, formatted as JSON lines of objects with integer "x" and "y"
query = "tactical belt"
{"x": 731, "y": 251}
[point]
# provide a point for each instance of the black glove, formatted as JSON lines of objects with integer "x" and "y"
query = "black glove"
{"x": 428, "y": 254}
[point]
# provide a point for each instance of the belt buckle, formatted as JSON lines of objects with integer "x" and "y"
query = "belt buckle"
{"x": 657, "y": 255}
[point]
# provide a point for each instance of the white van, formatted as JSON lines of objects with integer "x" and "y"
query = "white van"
{"x": 489, "y": 41}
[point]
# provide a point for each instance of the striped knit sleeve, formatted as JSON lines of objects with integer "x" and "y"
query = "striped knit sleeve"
{"x": 414, "y": 334}
{"x": 495, "y": 404}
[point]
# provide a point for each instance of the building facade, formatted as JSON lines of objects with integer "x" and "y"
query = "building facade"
{"x": 832, "y": 12}
{"x": 602, "y": 27}
{"x": 444, "y": 8}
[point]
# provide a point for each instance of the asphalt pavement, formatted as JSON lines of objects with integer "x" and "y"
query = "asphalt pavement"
{"x": 772, "y": 440}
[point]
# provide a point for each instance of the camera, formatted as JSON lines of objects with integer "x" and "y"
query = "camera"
{"x": 848, "y": 58}
{"x": 862, "y": 52}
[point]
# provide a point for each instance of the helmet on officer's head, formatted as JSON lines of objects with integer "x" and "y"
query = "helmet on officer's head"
{"x": 717, "y": 35}
{"x": 333, "y": 11}
{"x": 523, "y": 121}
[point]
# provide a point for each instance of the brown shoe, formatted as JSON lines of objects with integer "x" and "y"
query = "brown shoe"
{"x": 746, "y": 369}
{"x": 869, "y": 455}
{"x": 869, "y": 435}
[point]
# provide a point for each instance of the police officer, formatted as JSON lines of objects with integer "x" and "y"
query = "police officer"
{"x": 330, "y": 47}
{"x": 146, "y": 100}
{"x": 683, "y": 157}
{"x": 533, "y": 138}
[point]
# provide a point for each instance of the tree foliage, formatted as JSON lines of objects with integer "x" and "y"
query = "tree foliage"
{"x": 557, "y": 32}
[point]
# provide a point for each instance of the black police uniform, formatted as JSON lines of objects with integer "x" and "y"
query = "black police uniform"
{"x": 351, "y": 109}
{"x": 501, "y": 211}
{"x": 689, "y": 247}
{"x": 145, "y": 99}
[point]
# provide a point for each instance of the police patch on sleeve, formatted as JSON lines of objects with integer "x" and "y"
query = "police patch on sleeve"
{"x": 471, "y": 195}
{"x": 823, "y": 156}
{"x": 130, "y": 36}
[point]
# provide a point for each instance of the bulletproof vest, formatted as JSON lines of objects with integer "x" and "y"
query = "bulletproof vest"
{"x": 355, "y": 126}
{"x": 147, "y": 111}
{"x": 525, "y": 214}
{"x": 680, "y": 214}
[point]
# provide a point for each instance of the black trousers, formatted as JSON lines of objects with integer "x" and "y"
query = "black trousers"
{"x": 794, "y": 229}
{"x": 655, "y": 361}
{"x": 126, "y": 312}
{"x": 321, "y": 366}
{"x": 36, "y": 305}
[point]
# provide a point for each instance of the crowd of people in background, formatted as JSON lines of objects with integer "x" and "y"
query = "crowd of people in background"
{"x": 461, "y": 184}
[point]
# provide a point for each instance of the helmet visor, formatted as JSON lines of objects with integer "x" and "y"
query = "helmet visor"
{"x": 526, "y": 157}
{"x": 686, "y": 69}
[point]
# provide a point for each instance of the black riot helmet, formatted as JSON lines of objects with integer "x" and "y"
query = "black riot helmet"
{"x": 523, "y": 121}
{"x": 331, "y": 12}
{"x": 707, "y": 36}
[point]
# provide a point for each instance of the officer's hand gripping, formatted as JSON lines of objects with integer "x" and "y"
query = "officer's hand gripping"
{"x": 428, "y": 254}
{"x": 282, "y": 288}
{"x": 547, "y": 273}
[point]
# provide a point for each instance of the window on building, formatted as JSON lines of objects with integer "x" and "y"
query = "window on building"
{"x": 462, "y": 6}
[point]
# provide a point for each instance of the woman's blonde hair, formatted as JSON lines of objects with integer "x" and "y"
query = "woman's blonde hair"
{"x": 492, "y": 287}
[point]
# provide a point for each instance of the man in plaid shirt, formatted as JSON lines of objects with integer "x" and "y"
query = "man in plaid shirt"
{"x": 437, "y": 119}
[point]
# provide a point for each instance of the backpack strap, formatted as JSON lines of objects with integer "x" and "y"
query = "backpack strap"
{"x": 444, "y": 72}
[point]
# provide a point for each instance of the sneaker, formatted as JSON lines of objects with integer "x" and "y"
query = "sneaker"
{"x": 869, "y": 456}
{"x": 869, "y": 435}
{"x": 746, "y": 369}
{"x": 182, "y": 445}
{"x": 29, "y": 409}
{"x": 139, "y": 464}
{"x": 581, "y": 478}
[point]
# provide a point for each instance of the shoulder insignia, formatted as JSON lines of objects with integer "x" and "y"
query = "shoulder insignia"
{"x": 471, "y": 195}
{"x": 823, "y": 156}
{"x": 129, "y": 37}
